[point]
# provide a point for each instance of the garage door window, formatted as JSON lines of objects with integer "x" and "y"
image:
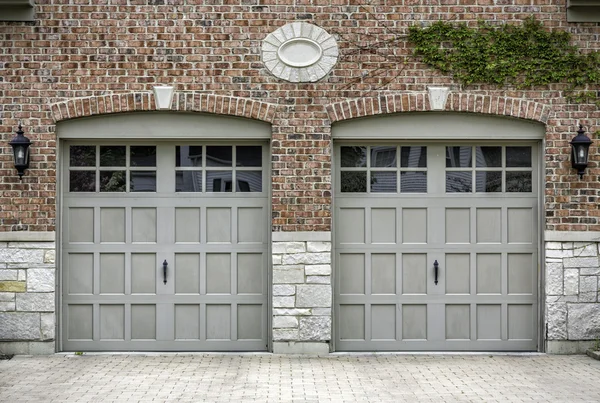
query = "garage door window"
{"x": 112, "y": 168}
{"x": 496, "y": 169}
{"x": 211, "y": 169}
{"x": 375, "y": 169}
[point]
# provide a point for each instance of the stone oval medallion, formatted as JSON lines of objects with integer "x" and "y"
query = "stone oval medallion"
{"x": 299, "y": 52}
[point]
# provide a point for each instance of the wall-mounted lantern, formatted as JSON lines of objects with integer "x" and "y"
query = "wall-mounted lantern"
{"x": 580, "y": 146}
{"x": 20, "y": 145}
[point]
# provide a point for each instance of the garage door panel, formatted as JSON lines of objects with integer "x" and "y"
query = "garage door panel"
{"x": 112, "y": 224}
{"x": 218, "y": 224}
{"x": 214, "y": 244}
{"x": 472, "y": 220}
{"x": 414, "y": 225}
{"x": 143, "y": 224}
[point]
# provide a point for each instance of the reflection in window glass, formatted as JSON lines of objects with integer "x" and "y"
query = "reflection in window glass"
{"x": 488, "y": 181}
{"x": 458, "y": 157}
{"x": 353, "y": 182}
{"x": 383, "y": 156}
{"x": 518, "y": 157}
{"x": 413, "y": 157}
{"x": 488, "y": 157}
{"x": 188, "y": 181}
{"x": 142, "y": 156}
{"x": 413, "y": 182}
{"x": 518, "y": 181}
{"x": 112, "y": 181}
{"x": 219, "y": 181}
{"x": 188, "y": 156}
{"x": 383, "y": 182}
{"x": 142, "y": 181}
{"x": 458, "y": 182}
{"x": 112, "y": 156}
{"x": 218, "y": 156}
{"x": 82, "y": 181}
{"x": 82, "y": 156}
{"x": 248, "y": 156}
{"x": 249, "y": 181}
{"x": 353, "y": 156}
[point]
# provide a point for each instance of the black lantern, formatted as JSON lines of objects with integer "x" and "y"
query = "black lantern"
{"x": 20, "y": 145}
{"x": 580, "y": 146}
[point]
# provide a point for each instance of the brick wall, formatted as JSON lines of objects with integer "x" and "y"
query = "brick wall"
{"x": 85, "y": 50}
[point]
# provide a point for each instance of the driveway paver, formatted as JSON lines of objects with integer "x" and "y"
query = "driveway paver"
{"x": 292, "y": 378}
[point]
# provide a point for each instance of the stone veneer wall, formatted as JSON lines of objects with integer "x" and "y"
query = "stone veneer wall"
{"x": 572, "y": 298}
{"x": 27, "y": 292}
{"x": 301, "y": 292}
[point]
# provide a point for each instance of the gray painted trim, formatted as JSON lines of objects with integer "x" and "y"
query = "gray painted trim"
{"x": 26, "y": 236}
{"x": 438, "y": 126}
{"x": 301, "y": 236}
{"x": 163, "y": 125}
{"x": 17, "y": 10}
{"x": 572, "y": 236}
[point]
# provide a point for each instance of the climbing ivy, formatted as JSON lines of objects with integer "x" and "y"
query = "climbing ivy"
{"x": 524, "y": 56}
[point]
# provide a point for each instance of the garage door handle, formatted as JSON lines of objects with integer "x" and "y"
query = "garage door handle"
{"x": 436, "y": 269}
{"x": 165, "y": 265}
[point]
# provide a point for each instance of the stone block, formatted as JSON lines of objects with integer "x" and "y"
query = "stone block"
{"x": 589, "y": 271}
{"x": 588, "y": 289}
{"x": 50, "y": 256}
{"x": 318, "y": 246}
{"x": 318, "y": 296}
{"x": 557, "y": 321}
{"x": 19, "y": 326}
{"x": 277, "y": 260}
{"x": 581, "y": 262}
{"x": 307, "y": 258}
{"x": 318, "y": 270}
{"x": 7, "y": 296}
{"x": 35, "y": 302}
{"x": 581, "y": 249}
{"x": 554, "y": 279}
{"x": 291, "y": 312}
{"x": 288, "y": 275}
{"x": 11, "y": 275}
{"x": 292, "y": 347}
{"x": 584, "y": 321}
{"x": 40, "y": 280}
{"x": 550, "y": 253}
{"x": 13, "y": 255}
{"x": 288, "y": 247}
{"x": 22, "y": 275}
{"x": 280, "y": 289}
{"x": 315, "y": 328}
{"x": 571, "y": 282}
{"x": 554, "y": 245}
{"x": 321, "y": 311}
{"x": 47, "y": 326}
{"x": 12, "y": 286}
{"x": 7, "y": 306}
{"x": 31, "y": 245}
{"x": 285, "y": 334}
{"x": 318, "y": 279}
{"x": 285, "y": 322}
{"x": 42, "y": 348}
{"x": 284, "y": 302}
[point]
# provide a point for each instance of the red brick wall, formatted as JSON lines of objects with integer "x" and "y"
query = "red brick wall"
{"x": 85, "y": 57}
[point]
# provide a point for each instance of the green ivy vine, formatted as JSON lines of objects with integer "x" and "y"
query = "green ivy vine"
{"x": 524, "y": 56}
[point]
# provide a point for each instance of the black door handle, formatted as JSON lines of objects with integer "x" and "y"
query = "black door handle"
{"x": 165, "y": 264}
{"x": 436, "y": 269}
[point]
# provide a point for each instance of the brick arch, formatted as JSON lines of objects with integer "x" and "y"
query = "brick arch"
{"x": 182, "y": 102}
{"x": 457, "y": 102}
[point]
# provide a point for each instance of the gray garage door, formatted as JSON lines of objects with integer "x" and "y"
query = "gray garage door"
{"x": 404, "y": 209}
{"x": 164, "y": 246}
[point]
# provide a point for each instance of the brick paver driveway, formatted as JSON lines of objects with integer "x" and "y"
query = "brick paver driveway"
{"x": 281, "y": 378}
